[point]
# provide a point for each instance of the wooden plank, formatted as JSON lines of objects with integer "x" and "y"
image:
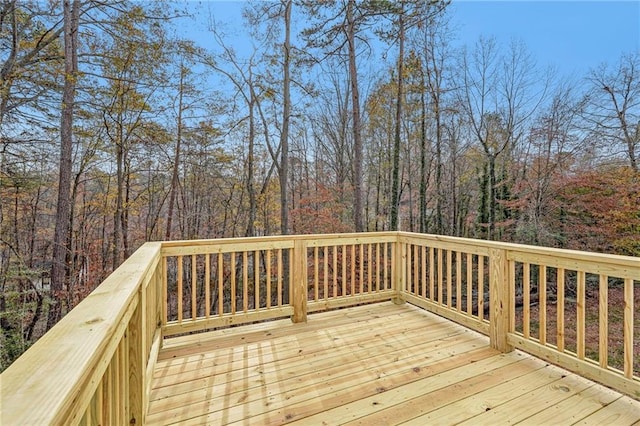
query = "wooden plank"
{"x": 165, "y": 291}
{"x": 300, "y": 403}
{"x": 289, "y": 369}
{"x": 299, "y": 282}
{"x": 327, "y": 240}
{"x": 316, "y": 274}
{"x": 466, "y": 245}
{"x": 469, "y": 283}
{"x": 207, "y": 285}
{"x": 268, "y": 278}
{"x": 280, "y": 266}
{"x": 449, "y": 278}
{"x": 361, "y": 274}
{"x": 560, "y": 284}
{"x": 344, "y": 269}
{"x": 346, "y": 317}
{"x": 481, "y": 288}
{"x": 227, "y": 319}
{"x": 349, "y": 300}
{"x": 460, "y": 318}
{"x": 256, "y": 280}
{"x": 580, "y": 311}
{"x": 230, "y": 245}
{"x": 215, "y": 356}
{"x": 628, "y": 328}
{"x": 458, "y": 281}
{"x": 500, "y": 301}
{"x": 137, "y": 395}
{"x": 584, "y": 367}
{"x": 385, "y": 255}
{"x": 405, "y": 402}
{"x": 526, "y": 297}
{"x": 472, "y": 397}
{"x": 220, "y": 285}
{"x": 232, "y": 266}
{"x": 334, "y": 252}
{"x": 432, "y": 279}
{"x": 423, "y": 258}
{"x": 603, "y": 321}
{"x": 623, "y": 411}
{"x": 593, "y": 263}
{"x": 369, "y": 265}
{"x": 542, "y": 303}
{"x": 245, "y": 283}
{"x": 440, "y": 278}
{"x": 524, "y": 406}
{"x": 179, "y": 281}
{"x": 325, "y": 281}
{"x": 353, "y": 269}
{"x": 575, "y": 407}
{"x": 194, "y": 282}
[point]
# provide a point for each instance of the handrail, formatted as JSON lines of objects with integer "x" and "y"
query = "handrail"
{"x": 95, "y": 366}
{"x": 93, "y": 363}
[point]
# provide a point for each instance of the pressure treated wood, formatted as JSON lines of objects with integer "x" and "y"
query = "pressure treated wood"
{"x": 372, "y": 364}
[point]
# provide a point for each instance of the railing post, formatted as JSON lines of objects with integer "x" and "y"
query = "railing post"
{"x": 399, "y": 271}
{"x": 299, "y": 281}
{"x": 136, "y": 331}
{"x": 500, "y": 300}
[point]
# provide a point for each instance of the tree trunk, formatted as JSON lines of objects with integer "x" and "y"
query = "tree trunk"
{"x": 395, "y": 191}
{"x": 286, "y": 112}
{"x": 355, "y": 100}
{"x": 176, "y": 158}
{"x": 63, "y": 209}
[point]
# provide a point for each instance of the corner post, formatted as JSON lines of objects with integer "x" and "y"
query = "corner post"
{"x": 299, "y": 281}
{"x": 500, "y": 300}
{"x": 400, "y": 270}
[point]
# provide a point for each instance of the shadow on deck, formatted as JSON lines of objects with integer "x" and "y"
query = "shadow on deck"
{"x": 376, "y": 364}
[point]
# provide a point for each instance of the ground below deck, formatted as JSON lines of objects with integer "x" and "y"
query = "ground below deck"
{"x": 377, "y": 364}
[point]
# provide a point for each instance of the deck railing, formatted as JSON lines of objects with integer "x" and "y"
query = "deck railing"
{"x": 95, "y": 366}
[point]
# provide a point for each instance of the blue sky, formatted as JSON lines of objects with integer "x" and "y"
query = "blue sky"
{"x": 573, "y": 36}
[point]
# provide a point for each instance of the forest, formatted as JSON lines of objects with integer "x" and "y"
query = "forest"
{"x": 116, "y": 130}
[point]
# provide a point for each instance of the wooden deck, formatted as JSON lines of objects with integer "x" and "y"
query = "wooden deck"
{"x": 376, "y": 365}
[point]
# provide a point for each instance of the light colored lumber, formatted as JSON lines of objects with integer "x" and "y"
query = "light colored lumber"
{"x": 574, "y": 408}
{"x": 500, "y": 301}
{"x": 406, "y": 402}
{"x": 542, "y": 304}
{"x": 560, "y": 310}
{"x": 623, "y": 411}
{"x": 528, "y": 404}
{"x": 458, "y": 317}
{"x": 581, "y": 312}
{"x": 628, "y": 328}
{"x": 296, "y": 374}
{"x": 466, "y": 404}
{"x": 526, "y": 300}
{"x": 226, "y": 319}
{"x": 73, "y": 375}
{"x": 584, "y": 367}
{"x": 303, "y": 402}
{"x": 603, "y": 321}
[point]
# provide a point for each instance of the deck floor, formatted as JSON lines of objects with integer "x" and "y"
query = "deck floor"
{"x": 377, "y": 364}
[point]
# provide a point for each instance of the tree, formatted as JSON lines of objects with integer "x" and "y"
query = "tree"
{"x": 614, "y": 105}
{"x": 499, "y": 95}
{"x": 61, "y": 237}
